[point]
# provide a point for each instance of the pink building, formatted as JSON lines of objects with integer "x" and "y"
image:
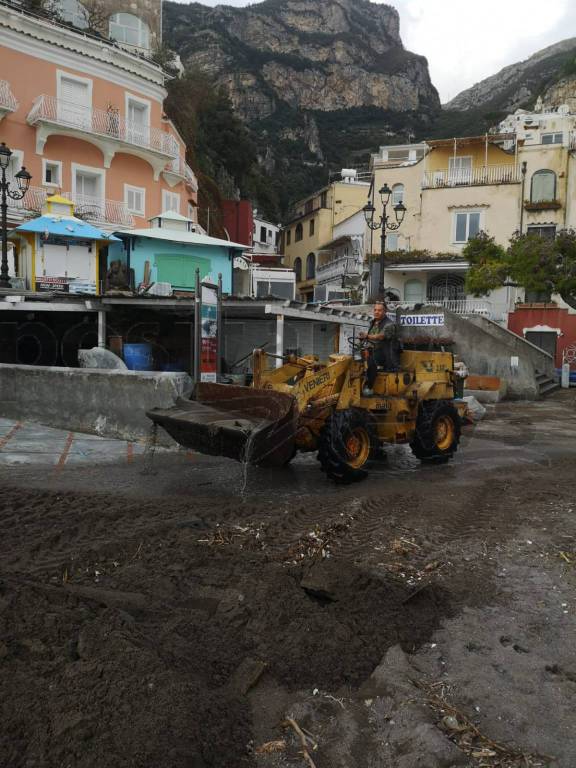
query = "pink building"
{"x": 84, "y": 114}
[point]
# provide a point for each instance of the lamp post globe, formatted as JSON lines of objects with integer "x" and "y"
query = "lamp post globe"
{"x": 23, "y": 179}
{"x": 5, "y": 155}
{"x": 385, "y": 225}
{"x": 400, "y": 212}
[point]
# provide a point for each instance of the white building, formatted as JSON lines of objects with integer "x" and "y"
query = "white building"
{"x": 266, "y": 236}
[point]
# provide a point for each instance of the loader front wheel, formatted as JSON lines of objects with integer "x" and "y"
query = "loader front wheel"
{"x": 437, "y": 432}
{"x": 346, "y": 442}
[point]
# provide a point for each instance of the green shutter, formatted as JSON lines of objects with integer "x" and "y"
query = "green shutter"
{"x": 179, "y": 269}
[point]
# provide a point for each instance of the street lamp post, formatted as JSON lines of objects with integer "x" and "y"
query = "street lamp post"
{"x": 23, "y": 181}
{"x": 385, "y": 225}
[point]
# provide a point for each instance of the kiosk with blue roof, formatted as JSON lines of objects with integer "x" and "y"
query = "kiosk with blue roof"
{"x": 60, "y": 252}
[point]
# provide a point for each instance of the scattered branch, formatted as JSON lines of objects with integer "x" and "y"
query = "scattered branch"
{"x": 303, "y": 740}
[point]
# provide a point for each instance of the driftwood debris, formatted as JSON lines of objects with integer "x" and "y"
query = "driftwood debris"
{"x": 303, "y": 740}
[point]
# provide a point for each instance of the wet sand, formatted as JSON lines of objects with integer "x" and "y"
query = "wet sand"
{"x": 151, "y": 614}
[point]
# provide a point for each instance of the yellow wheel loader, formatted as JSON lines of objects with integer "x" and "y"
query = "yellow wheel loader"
{"x": 307, "y": 405}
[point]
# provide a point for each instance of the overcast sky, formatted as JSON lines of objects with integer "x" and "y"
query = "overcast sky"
{"x": 466, "y": 41}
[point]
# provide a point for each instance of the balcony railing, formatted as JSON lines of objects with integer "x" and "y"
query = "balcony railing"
{"x": 469, "y": 177}
{"x": 190, "y": 177}
{"x": 179, "y": 167}
{"x": 337, "y": 268}
{"x": 99, "y": 122}
{"x": 92, "y": 209}
{"x": 98, "y": 211}
{"x": 32, "y": 202}
{"x": 464, "y": 306}
{"x": 8, "y": 102}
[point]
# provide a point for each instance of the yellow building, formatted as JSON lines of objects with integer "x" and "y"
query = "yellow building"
{"x": 452, "y": 189}
{"x": 311, "y": 228}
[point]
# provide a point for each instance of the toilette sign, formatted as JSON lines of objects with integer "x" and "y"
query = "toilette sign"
{"x": 419, "y": 321}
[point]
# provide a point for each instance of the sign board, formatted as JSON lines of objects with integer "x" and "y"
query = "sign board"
{"x": 240, "y": 263}
{"x": 420, "y": 321}
{"x": 52, "y": 284}
{"x": 209, "y": 333}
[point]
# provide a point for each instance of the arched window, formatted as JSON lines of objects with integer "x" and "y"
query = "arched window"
{"x": 298, "y": 269}
{"x": 74, "y": 13}
{"x": 413, "y": 291}
{"x": 129, "y": 29}
{"x": 397, "y": 194}
{"x": 299, "y": 234}
{"x": 446, "y": 287}
{"x": 543, "y": 187}
{"x": 311, "y": 266}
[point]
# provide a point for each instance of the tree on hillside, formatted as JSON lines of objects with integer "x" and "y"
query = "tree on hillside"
{"x": 220, "y": 149}
{"x": 536, "y": 263}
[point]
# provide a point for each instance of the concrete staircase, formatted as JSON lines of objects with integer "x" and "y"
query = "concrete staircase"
{"x": 546, "y": 384}
{"x": 488, "y": 349}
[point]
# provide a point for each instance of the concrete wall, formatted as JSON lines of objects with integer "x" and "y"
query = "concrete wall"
{"x": 107, "y": 403}
{"x": 488, "y": 349}
{"x": 541, "y": 360}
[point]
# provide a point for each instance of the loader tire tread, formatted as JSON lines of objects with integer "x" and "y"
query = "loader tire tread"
{"x": 331, "y": 448}
{"x": 423, "y": 443}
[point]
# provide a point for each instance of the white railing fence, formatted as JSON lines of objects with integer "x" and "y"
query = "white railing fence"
{"x": 91, "y": 209}
{"x": 343, "y": 266}
{"x": 464, "y": 306}
{"x": 7, "y": 98}
{"x": 32, "y": 202}
{"x": 190, "y": 177}
{"x": 486, "y": 174}
{"x": 107, "y": 123}
{"x": 97, "y": 210}
{"x": 181, "y": 167}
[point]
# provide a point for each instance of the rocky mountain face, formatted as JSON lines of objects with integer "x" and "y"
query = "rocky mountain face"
{"x": 481, "y": 107}
{"x": 319, "y": 82}
{"x": 561, "y": 92}
{"x": 519, "y": 83}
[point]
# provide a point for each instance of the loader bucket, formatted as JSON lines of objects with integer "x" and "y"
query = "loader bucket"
{"x": 242, "y": 423}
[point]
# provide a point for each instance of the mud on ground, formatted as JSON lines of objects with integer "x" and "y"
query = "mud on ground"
{"x": 418, "y": 620}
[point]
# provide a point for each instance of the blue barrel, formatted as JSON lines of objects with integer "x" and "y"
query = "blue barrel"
{"x": 138, "y": 357}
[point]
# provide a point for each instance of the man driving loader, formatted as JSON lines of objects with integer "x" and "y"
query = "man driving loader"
{"x": 384, "y": 353}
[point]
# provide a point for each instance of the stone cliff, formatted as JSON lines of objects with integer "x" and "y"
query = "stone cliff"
{"x": 518, "y": 84}
{"x": 318, "y": 79}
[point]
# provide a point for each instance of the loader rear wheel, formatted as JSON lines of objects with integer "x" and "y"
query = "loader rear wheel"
{"x": 346, "y": 443}
{"x": 437, "y": 432}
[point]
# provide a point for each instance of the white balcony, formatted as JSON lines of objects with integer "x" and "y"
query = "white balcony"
{"x": 178, "y": 170}
{"x": 326, "y": 273}
{"x": 105, "y": 213}
{"x": 470, "y": 177}
{"x": 8, "y": 102}
{"x": 190, "y": 178}
{"x": 107, "y": 130}
{"x": 464, "y": 307}
{"x": 31, "y": 204}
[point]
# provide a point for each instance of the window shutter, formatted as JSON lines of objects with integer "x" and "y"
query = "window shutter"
{"x": 74, "y": 92}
